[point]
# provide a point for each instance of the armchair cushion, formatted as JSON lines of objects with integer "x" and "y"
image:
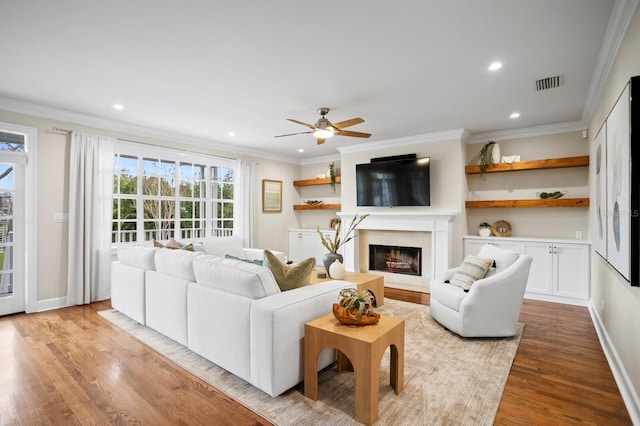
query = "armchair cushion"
{"x": 472, "y": 269}
{"x": 289, "y": 277}
{"x": 503, "y": 258}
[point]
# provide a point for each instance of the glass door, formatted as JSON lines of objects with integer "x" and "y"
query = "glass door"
{"x": 12, "y": 222}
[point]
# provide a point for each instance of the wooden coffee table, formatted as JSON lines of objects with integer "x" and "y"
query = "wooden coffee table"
{"x": 373, "y": 283}
{"x": 361, "y": 347}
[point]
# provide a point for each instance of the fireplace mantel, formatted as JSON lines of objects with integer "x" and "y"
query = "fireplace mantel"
{"x": 438, "y": 223}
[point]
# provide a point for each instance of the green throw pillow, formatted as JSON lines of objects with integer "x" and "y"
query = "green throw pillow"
{"x": 289, "y": 277}
{"x": 254, "y": 261}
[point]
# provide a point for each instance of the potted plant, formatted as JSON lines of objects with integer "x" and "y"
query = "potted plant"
{"x": 336, "y": 243}
{"x": 485, "y": 158}
{"x": 332, "y": 177}
{"x": 355, "y": 308}
{"x": 484, "y": 229}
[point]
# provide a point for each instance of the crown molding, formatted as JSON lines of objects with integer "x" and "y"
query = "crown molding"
{"x": 527, "y": 132}
{"x": 22, "y": 107}
{"x": 621, "y": 16}
{"x": 320, "y": 159}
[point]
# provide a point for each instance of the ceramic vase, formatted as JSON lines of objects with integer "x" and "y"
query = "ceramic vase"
{"x": 329, "y": 258}
{"x": 496, "y": 156}
{"x": 336, "y": 270}
{"x": 484, "y": 231}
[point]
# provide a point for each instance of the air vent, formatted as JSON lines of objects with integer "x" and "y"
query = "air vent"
{"x": 547, "y": 83}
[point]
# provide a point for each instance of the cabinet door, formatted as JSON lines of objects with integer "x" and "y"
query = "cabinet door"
{"x": 571, "y": 270}
{"x": 472, "y": 247}
{"x": 296, "y": 245}
{"x": 540, "y": 275}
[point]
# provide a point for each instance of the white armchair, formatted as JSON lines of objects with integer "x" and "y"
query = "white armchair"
{"x": 491, "y": 308}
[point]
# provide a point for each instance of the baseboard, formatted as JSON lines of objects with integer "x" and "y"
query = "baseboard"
{"x": 556, "y": 299}
{"x": 629, "y": 395}
{"x": 48, "y": 304}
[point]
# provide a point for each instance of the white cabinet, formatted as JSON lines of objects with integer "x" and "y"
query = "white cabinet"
{"x": 559, "y": 271}
{"x": 305, "y": 243}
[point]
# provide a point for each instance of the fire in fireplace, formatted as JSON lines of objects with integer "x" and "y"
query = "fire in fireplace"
{"x": 394, "y": 259}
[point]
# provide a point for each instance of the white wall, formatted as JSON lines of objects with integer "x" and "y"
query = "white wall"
{"x": 617, "y": 303}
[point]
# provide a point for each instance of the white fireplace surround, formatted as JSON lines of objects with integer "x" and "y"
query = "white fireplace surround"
{"x": 437, "y": 223}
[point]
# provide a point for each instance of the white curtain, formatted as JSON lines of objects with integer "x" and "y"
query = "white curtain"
{"x": 245, "y": 200}
{"x": 90, "y": 214}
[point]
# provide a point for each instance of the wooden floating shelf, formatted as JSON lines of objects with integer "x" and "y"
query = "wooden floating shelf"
{"x": 558, "y": 202}
{"x": 317, "y": 206}
{"x": 551, "y": 163}
{"x": 317, "y": 181}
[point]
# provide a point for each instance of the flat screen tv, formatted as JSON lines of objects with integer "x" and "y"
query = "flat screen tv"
{"x": 399, "y": 182}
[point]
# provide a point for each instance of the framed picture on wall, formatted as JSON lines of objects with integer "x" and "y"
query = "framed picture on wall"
{"x": 271, "y": 196}
{"x": 599, "y": 235}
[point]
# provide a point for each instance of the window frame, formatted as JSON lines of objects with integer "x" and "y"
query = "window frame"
{"x": 202, "y": 227}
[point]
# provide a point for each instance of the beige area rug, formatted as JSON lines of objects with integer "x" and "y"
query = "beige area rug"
{"x": 448, "y": 379}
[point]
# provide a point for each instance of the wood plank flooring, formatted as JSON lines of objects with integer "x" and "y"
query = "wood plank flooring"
{"x": 69, "y": 366}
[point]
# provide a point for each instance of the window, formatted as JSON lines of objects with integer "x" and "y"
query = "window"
{"x": 170, "y": 194}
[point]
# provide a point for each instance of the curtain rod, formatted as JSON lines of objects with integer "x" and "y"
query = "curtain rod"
{"x": 66, "y": 131}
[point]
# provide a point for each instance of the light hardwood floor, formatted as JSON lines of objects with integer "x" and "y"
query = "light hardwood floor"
{"x": 69, "y": 366}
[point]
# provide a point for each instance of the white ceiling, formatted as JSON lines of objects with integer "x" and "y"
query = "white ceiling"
{"x": 202, "y": 68}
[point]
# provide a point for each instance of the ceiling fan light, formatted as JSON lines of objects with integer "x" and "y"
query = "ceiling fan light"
{"x": 323, "y": 133}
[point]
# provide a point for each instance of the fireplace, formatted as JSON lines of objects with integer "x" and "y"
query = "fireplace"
{"x": 395, "y": 259}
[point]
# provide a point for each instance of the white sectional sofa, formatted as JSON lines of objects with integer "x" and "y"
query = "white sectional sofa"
{"x": 228, "y": 311}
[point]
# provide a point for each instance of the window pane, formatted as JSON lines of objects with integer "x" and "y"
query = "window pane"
{"x": 12, "y": 142}
{"x": 186, "y": 209}
{"x": 150, "y": 166}
{"x": 186, "y": 187}
{"x": 128, "y": 169}
{"x": 186, "y": 171}
{"x": 227, "y": 192}
{"x": 128, "y": 209}
{"x": 6, "y": 177}
{"x": 150, "y": 186}
{"x": 167, "y": 209}
{"x": 167, "y": 187}
{"x": 151, "y": 209}
{"x": 6, "y": 204}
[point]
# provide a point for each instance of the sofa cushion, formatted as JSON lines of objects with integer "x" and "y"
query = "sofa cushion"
{"x": 502, "y": 257}
{"x": 470, "y": 270}
{"x": 138, "y": 256}
{"x": 289, "y": 277}
{"x": 220, "y": 245}
{"x": 448, "y": 295}
{"x": 235, "y": 276}
{"x": 177, "y": 263}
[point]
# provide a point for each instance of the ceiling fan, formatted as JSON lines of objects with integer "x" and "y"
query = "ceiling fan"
{"x": 324, "y": 129}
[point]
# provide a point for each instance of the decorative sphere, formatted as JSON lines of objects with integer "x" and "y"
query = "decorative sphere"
{"x": 336, "y": 270}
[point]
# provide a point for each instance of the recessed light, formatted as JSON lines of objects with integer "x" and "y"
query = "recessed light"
{"x": 495, "y": 66}
{"x": 515, "y": 115}
{"x": 118, "y": 107}
{"x": 300, "y": 150}
{"x": 231, "y": 134}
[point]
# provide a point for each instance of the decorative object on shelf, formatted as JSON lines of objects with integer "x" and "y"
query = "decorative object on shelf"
{"x": 509, "y": 159}
{"x": 332, "y": 177}
{"x": 313, "y": 202}
{"x": 271, "y": 196}
{"x": 336, "y": 270}
{"x": 336, "y": 243}
{"x": 496, "y": 156}
{"x": 550, "y": 195}
{"x": 486, "y": 158}
{"x": 501, "y": 228}
{"x": 484, "y": 229}
{"x": 333, "y": 222}
{"x": 355, "y": 308}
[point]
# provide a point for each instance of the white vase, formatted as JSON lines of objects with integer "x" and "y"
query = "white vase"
{"x": 336, "y": 270}
{"x": 484, "y": 231}
{"x": 496, "y": 157}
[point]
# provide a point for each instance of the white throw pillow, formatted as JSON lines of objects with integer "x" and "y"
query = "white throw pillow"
{"x": 472, "y": 269}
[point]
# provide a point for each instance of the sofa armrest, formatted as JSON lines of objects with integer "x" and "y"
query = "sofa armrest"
{"x": 258, "y": 254}
{"x": 277, "y": 332}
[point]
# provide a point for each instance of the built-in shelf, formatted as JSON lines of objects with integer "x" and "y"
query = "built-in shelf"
{"x": 317, "y": 206}
{"x": 559, "y": 202}
{"x": 551, "y": 163}
{"x": 317, "y": 181}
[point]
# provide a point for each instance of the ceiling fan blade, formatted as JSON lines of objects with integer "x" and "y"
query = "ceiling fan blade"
{"x": 348, "y": 123}
{"x": 320, "y": 141}
{"x": 353, "y": 134}
{"x": 300, "y": 122}
{"x": 292, "y": 134}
